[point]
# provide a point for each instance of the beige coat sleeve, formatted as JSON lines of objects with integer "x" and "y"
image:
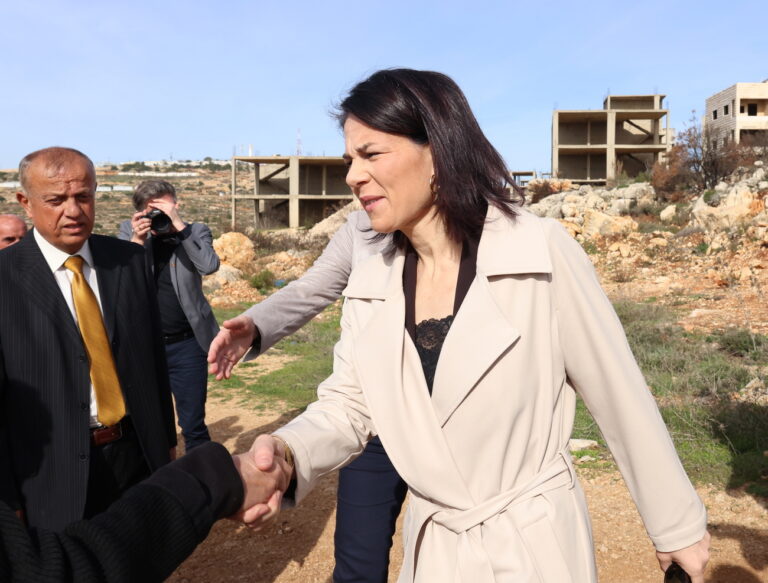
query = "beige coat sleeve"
{"x": 602, "y": 369}
{"x": 335, "y": 428}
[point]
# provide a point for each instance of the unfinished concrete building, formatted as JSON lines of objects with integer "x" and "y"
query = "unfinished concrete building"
{"x": 737, "y": 114}
{"x": 290, "y": 191}
{"x": 595, "y": 146}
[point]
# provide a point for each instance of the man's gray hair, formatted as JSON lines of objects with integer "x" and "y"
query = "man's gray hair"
{"x": 55, "y": 158}
{"x": 150, "y": 189}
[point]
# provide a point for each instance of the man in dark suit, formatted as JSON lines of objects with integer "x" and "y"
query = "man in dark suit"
{"x": 85, "y": 405}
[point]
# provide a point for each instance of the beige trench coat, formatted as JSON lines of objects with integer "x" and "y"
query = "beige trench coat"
{"x": 493, "y": 494}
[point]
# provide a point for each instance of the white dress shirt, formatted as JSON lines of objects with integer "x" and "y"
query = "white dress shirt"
{"x": 55, "y": 259}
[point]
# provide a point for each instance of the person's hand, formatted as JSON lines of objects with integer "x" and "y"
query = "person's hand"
{"x": 231, "y": 343}
{"x": 693, "y": 559}
{"x": 170, "y": 208}
{"x": 139, "y": 227}
{"x": 266, "y": 475}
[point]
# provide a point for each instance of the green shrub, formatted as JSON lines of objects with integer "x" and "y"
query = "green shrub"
{"x": 263, "y": 281}
{"x": 743, "y": 343}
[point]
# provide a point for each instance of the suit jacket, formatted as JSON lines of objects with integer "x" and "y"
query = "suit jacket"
{"x": 142, "y": 537}
{"x": 192, "y": 259}
{"x": 45, "y": 377}
{"x": 288, "y": 309}
{"x": 494, "y": 496}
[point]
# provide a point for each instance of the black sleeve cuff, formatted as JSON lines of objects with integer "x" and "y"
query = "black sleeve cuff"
{"x": 205, "y": 482}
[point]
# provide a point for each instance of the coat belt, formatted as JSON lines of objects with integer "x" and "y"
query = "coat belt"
{"x": 473, "y": 563}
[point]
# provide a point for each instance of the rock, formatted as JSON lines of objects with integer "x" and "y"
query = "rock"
{"x": 597, "y": 223}
{"x": 593, "y": 201}
{"x": 235, "y": 249}
{"x": 758, "y": 163}
{"x": 658, "y": 242}
{"x": 636, "y": 191}
{"x": 579, "y": 444}
{"x": 668, "y": 214}
{"x": 225, "y": 275}
{"x": 737, "y": 207}
{"x": 328, "y": 226}
{"x": 621, "y": 206}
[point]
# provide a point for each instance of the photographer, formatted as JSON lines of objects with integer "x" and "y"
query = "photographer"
{"x": 179, "y": 254}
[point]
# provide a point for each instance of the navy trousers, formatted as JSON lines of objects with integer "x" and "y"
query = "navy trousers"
{"x": 370, "y": 496}
{"x": 188, "y": 373}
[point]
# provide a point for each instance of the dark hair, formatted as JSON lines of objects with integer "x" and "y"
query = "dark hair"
{"x": 150, "y": 189}
{"x": 429, "y": 108}
{"x": 55, "y": 157}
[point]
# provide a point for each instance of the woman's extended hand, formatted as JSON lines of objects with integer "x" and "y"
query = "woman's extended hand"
{"x": 693, "y": 559}
{"x": 231, "y": 343}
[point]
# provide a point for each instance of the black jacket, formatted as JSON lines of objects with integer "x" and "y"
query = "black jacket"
{"x": 45, "y": 382}
{"x": 142, "y": 537}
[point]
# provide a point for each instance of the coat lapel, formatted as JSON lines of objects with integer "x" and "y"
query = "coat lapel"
{"x": 393, "y": 383}
{"x": 481, "y": 331}
{"x": 41, "y": 288}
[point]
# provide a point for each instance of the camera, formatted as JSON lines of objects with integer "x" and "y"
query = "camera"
{"x": 160, "y": 222}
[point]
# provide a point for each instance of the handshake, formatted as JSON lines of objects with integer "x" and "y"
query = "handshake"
{"x": 266, "y": 471}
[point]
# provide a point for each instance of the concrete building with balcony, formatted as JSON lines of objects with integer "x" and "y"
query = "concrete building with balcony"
{"x": 737, "y": 113}
{"x": 288, "y": 191}
{"x": 595, "y": 146}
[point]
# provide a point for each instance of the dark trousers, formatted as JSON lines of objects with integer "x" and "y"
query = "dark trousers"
{"x": 370, "y": 496}
{"x": 113, "y": 468}
{"x": 188, "y": 373}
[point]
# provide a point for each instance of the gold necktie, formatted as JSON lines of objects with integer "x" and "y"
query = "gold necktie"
{"x": 109, "y": 397}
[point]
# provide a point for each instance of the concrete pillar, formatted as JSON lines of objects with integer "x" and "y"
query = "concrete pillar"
{"x": 234, "y": 191}
{"x": 610, "y": 154}
{"x": 555, "y": 143}
{"x": 293, "y": 192}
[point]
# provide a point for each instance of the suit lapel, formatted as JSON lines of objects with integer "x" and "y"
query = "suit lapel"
{"x": 36, "y": 278}
{"x": 108, "y": 274}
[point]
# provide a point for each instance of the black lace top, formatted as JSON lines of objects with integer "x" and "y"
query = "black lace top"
{"x": 429, "y": 335}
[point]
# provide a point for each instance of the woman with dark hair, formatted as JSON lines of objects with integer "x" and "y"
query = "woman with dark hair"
{"x": 463, "y": 348}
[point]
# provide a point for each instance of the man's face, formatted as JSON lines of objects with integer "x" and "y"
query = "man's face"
{"x": 60, "y": 202}
{"x": 11, "y": 231}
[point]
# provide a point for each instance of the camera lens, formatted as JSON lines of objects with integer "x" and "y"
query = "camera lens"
{"x": 160, "y": 222}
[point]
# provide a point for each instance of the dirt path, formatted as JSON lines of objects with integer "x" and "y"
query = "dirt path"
{"x": 299, "y": 547}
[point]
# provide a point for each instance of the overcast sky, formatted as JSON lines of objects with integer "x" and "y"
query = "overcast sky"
{"x": 154, "y": 80}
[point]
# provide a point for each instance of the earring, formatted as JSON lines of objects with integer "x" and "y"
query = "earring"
{"x": 433, "y": 187}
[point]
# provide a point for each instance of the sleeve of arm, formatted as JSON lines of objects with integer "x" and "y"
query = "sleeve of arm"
{"x": 125, "y": 231}
{"x": 287, "y": 310}
{"x": 143, "y": 536}
{"x": 335, "y": 428}
{"x": 197, "y": 241}
{"x": 601, "y": 367}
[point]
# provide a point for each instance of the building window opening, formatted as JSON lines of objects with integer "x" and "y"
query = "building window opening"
{"x": 725, "y": 110}
{"x": 752, "y": 109}
{"x": 714, "y": 114}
